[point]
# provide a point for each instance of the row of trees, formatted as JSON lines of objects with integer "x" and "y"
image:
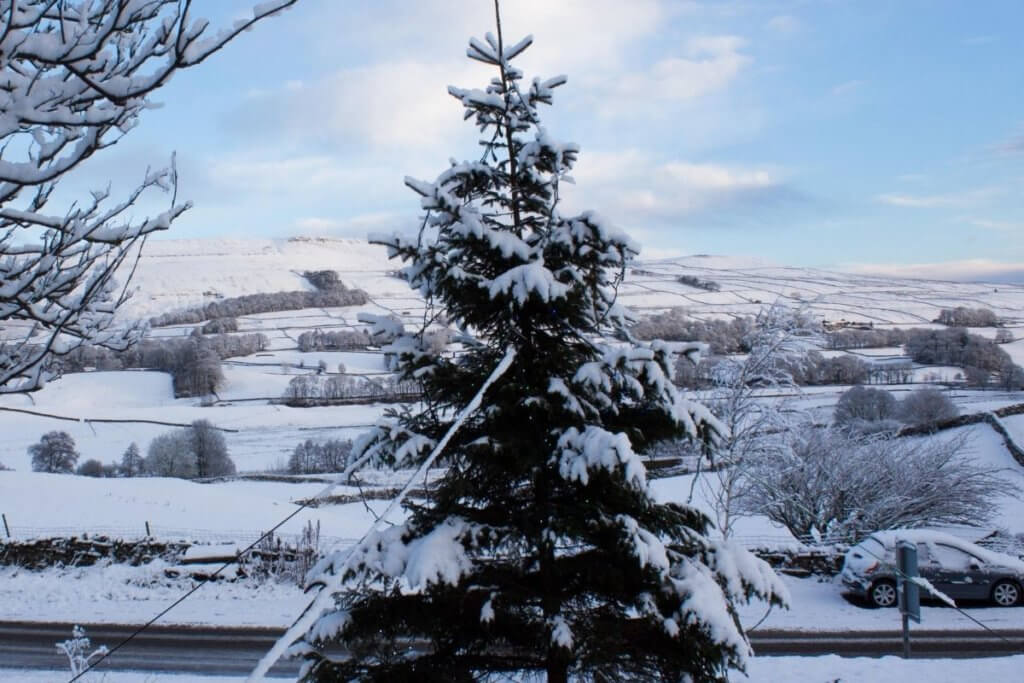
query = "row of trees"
{"x": 877, "y": 410}
{"x": 962, "y": 316}
{"x": 196, "y": 451}
{"x": 340, "y": 340}
{"x": 193, "y": 362}
{"x": 982, "y": 359}
{"x": 724, "y": 336}
{"x": 984, "y": 363}
{"x": 694, "y": 281}
{"x": 807, "y": 368}
{"x": 305, "y": 390}
{"x": 311, "y": 457}
{"x": 890, "y": 337}
{"x": 251, "y": 304}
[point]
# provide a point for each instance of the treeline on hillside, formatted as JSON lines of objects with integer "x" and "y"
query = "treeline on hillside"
{"x": 193, "y": 362}
{"x": 961, "y": 316}
{"x": 268, "y": 302}
{"x": 310, "y": 457}
{"x": 198, "y": 450}
{"x": 694, "y": 281}
{"x": 308, "y": 390}
{"x": 723, "y": 336}
{"x": 341, "y": 340}
{"x": 984, "y": 363}
{"x": 811, "y": 369}
{"x": 841, "y": 340}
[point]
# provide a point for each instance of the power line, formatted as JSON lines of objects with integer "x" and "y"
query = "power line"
{"x": 199, "y": 585}
{"x": 472, "y": 406}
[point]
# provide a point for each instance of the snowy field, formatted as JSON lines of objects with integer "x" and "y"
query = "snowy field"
{"x": 828, "y": 669}
{"x": 261, "y": 436}
{"x": 233, "y": 267}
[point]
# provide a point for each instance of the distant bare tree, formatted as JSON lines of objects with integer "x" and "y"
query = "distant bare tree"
{"x": 76, "y": 76}
{"x": 170, "y": 455}
{"x": 777, "y": 344}
{"x": 210, "y": 450}
{"x": 55, "y": 453}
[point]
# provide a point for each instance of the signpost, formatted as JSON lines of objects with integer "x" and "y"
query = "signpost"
{"x": 909, "y": 591}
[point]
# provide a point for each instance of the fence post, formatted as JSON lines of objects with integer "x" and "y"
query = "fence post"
{"x": 7, "y": 529}
{"x": 147, "y": 529}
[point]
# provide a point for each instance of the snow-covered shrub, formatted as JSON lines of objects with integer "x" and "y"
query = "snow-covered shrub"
{"x": 852, "y": 484}
{"x": 864, "y": 409}
{"x": 926, "y": 407}
{"x": 220, "y": 326}
{"x": 91, "y": 468}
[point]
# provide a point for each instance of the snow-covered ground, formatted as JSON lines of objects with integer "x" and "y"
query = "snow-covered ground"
{"x": 828, "y": 669}
{"x": 179, "y": 273}
{"x": 173, "y": 507}
{"x": 176, "y": 274}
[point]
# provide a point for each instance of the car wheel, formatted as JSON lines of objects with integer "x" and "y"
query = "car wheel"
{"x": 883, "y": 594}
{"x": 1006, "y": 593}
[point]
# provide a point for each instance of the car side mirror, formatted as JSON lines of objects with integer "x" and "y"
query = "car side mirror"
{"x": 975, "y": 564}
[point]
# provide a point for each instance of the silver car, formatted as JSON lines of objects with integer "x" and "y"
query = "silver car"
{"x": 961, "y": 570}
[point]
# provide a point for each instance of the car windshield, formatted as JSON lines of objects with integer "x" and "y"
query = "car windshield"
{"x": 873, "y": 547}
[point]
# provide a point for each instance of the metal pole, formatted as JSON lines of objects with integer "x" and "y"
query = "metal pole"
{"x": 7, "y": 529}
{"x": 906, "y": 636}
{"x": 147, "y": 529}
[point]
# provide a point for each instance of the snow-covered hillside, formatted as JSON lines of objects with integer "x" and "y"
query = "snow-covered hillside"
{"x": 178, "y": 273}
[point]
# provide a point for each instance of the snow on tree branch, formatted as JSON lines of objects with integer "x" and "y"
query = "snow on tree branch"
{"x": 76, "y": 77}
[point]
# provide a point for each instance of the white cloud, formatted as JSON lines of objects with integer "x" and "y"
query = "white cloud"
{"x": 935, "y": 201}
{"x": 710, "y": 64}
{"x": 784, "y": 25}
{"x": 633, "y": 184}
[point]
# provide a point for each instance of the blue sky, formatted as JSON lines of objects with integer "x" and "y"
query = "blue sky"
{"x": 833, "y": 133}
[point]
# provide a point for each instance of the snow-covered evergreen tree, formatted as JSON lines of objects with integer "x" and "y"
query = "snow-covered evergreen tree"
{"x": 541, "y": 551}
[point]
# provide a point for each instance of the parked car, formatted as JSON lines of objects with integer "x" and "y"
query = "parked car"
{"x": 961, "y": 570}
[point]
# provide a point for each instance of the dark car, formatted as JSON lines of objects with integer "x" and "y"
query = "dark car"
{"x": 957, "y": 568}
